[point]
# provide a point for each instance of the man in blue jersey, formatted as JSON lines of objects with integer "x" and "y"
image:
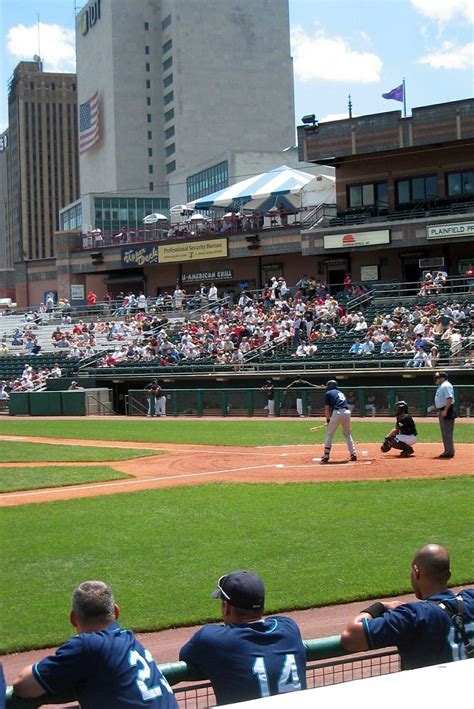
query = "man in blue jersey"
{"x": 103, "y": 666}
{"x": 436, "y": 629}
{"x": 337, "y": 413}
{"x": 247, "y": 656}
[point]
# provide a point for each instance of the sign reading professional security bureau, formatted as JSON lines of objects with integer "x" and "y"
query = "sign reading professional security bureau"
{"x": 443, "y": 231}
{"x": 361, "y": 238}
{"x": 193, "y": 251}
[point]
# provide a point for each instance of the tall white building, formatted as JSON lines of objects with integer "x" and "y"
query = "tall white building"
{"x": 180, "y": 83}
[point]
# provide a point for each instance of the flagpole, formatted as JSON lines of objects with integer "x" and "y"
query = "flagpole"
{"x": 404, "y": 99}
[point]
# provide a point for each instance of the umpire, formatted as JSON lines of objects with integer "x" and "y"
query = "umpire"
{"x": 444, "y": 402}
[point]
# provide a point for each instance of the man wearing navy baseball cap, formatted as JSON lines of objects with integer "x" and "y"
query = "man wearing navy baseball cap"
{"x": 247, "y": 656}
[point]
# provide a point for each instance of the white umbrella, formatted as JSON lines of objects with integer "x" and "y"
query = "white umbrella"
{"x": 155, "y": 217}
{"x": 197, "y": 218}
{"x": 231, "y": 214}
{"x": 178, "y": 208}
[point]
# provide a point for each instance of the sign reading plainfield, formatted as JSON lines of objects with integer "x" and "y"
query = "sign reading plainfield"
{"x": 140, "y": 257}
{"x": 193, "y": 251}
{"x": 361, "y": 238}
{"x": 443, "y": 231}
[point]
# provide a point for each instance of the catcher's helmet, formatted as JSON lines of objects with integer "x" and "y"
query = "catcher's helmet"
{"x": 401, "y": 406}
{"x": 332, "y": 384}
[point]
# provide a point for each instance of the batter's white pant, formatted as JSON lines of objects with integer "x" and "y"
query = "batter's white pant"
{"x": 339, "y": 418}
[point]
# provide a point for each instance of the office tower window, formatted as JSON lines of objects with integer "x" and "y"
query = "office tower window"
{"x": 167, "y": 81}
{"x": 168, "y": 98}
{"x": 166, "y": 22}
{"x": 170, "y": 167}
{"x": 148, "y": 101}
{"x": 169, "y": 133}
{"x": 169, "y": 115}
{"x": 206, "y": 181}
{"x": 147, "y": 49}
{"x": 150, "y": 185}
{"x": 148, "y": 117}
{"x": 167, "y": 47}
{"x": 150, "y": 169}
{"x": 147, "y": 26}
{"x": 150, "y": 135}
{"x": 150, "y": 152}
{"x": 170, "y": 149}
{"x": 147, "y": 66}
{"x": 167, "y": 64}
{"x": 148, "y": 84}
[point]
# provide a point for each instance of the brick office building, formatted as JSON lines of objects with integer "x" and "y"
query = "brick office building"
{"x": 405, "y": 193}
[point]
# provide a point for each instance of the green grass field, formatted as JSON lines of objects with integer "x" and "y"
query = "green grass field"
{"x": 162, "y": 550}
{"x": 248, "y": 432}
{"x": 24, "y": 452}
{"x": 13, "y": 479}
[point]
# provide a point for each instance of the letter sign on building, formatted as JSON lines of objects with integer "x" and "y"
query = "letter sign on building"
{"x": 90, "y": 16}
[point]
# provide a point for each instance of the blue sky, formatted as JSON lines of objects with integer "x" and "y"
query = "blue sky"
{"x": 361, "y": 47}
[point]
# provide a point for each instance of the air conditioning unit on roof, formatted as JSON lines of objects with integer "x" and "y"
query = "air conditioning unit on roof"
{"x": 436, "y": 262}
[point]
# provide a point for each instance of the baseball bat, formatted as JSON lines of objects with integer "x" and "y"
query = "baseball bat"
{"x": 317, "y": 428}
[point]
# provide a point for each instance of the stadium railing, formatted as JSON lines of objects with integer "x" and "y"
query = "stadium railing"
{"x": 323, "y": 669}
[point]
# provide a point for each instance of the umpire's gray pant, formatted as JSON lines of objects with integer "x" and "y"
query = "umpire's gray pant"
{"x": 447, "y": 433}
{"x": 339, "y": 418}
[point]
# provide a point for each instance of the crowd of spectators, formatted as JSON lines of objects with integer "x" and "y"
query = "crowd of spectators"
{"x": 30, "y": 380}
{"x": 417, "y": 332}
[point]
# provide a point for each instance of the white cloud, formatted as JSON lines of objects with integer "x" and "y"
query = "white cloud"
{"x": 56, "y": 45}
{"x": 335, "y": 117}
{"x": 445, "y": 10}
{"x": 331, "y": 59}
{"x": 451, "y": 56}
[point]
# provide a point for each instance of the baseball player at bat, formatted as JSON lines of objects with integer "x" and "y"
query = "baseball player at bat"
{"x": 403, "y": 435}
{"x": 337, "y": 412}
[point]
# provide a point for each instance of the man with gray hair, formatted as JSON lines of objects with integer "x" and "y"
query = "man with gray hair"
{"x": 103, "y": 666}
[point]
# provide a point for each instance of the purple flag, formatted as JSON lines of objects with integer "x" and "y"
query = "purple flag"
{"x": 396, "y": 94}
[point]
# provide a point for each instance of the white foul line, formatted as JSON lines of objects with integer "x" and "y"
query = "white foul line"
{"x": 116, "y": 483}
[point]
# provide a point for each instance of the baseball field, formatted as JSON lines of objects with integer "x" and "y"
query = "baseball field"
{"x": 160, "y": 508}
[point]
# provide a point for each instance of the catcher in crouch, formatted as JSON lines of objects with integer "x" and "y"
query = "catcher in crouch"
{"x": 403, "y": 435}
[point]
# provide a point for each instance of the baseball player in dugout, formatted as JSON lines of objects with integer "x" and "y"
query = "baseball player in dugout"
{"x": 437, "y": 628}
{"x": 337, "y": 413}
{"x": 247, "y": 656}
{"x": 269, "y": 391}
{"x": 444, "y": 402}
{"x": 103, "y": 666}
{"x": 403, "y": 434}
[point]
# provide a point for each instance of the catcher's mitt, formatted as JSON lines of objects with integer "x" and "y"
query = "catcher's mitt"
{"x": 386, "y": 445}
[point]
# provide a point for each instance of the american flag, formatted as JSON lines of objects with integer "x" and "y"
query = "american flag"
{"x": 89, "y": 123}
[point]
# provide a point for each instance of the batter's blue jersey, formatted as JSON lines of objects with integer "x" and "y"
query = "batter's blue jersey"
{"x": 336, "y": 400}
{"x": 108, "y": 669}
{"x": 249, "y": 660}
{"x": 423, "y": 632}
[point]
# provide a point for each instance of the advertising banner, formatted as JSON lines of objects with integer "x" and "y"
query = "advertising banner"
{"x": 351, "y": 239}
{"x": 446, "y": 231}
{"x": 193, "y": 251}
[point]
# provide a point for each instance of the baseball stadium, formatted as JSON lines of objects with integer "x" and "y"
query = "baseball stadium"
{"x": 266, "y": 389}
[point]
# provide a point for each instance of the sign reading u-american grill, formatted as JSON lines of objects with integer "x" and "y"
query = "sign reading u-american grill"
{"x": 350, "y": 240}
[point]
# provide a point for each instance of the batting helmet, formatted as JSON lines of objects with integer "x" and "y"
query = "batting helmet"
{"x": 440, "y": 375}
{"x": 401, "y": 406}
{"x": 332, "y": 384}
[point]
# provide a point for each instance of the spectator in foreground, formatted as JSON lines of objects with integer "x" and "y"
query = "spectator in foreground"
{"x": 247, "y": 657}
{"x": 104, "y": 665}
{"x": 424, "y": 633}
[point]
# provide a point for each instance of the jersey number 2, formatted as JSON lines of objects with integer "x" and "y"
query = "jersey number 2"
{"x": 144, "y": 675}
{"x": 288, "y": 680}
